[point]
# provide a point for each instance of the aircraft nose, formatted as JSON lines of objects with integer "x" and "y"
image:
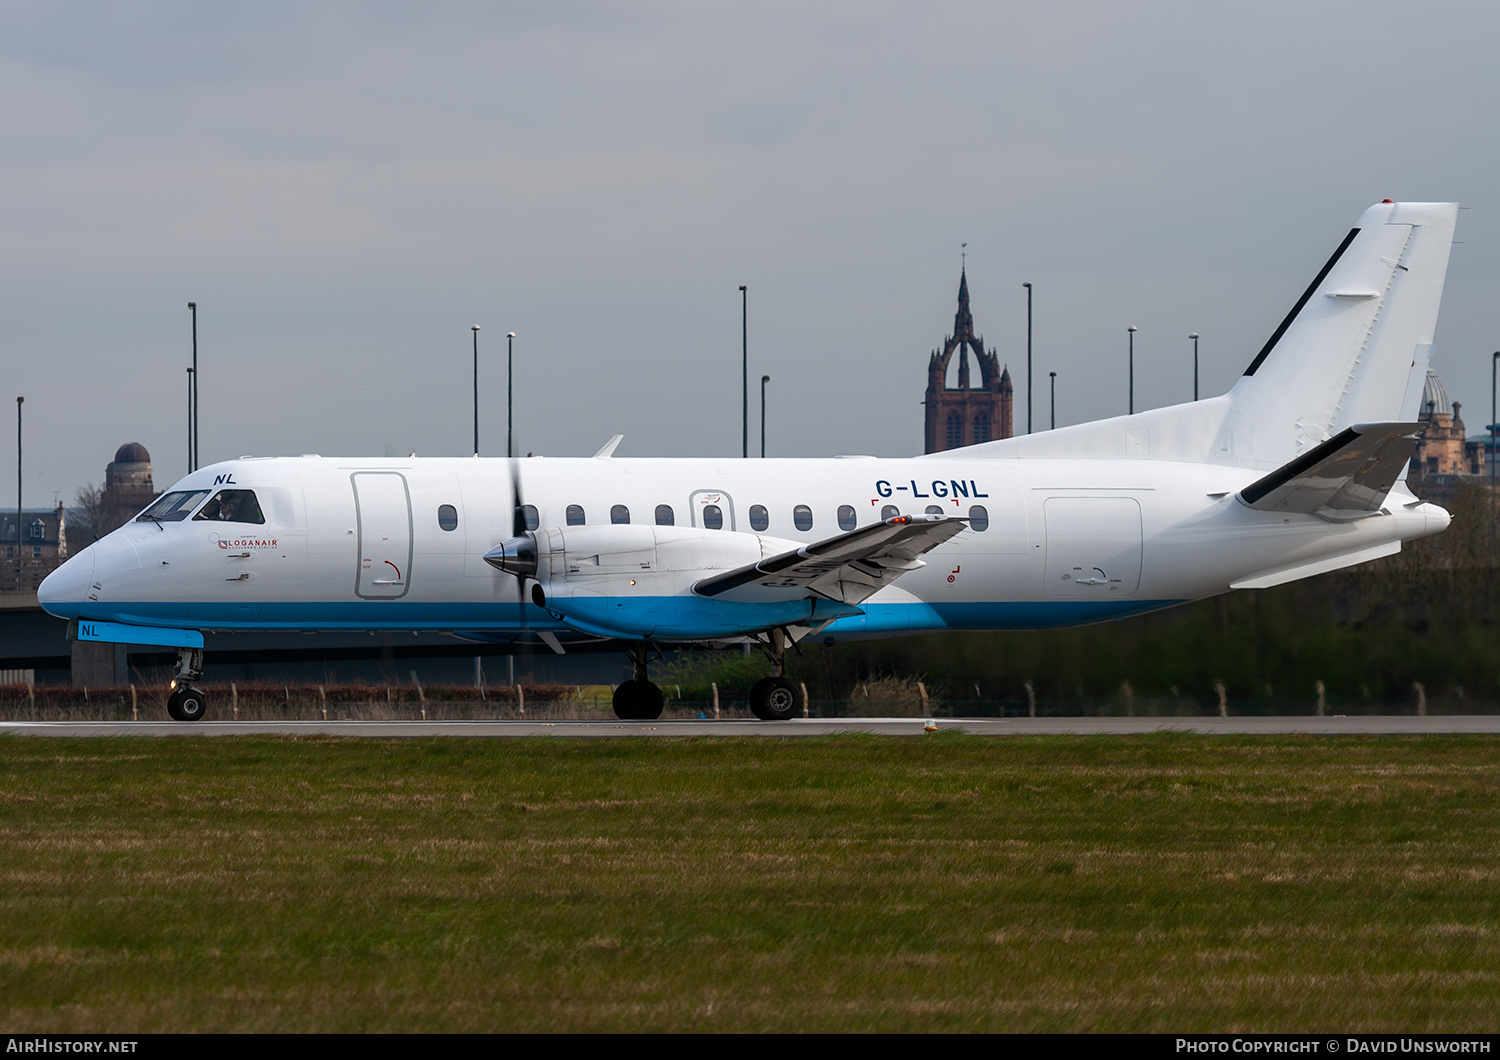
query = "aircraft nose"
{"x": 66, "y": 589}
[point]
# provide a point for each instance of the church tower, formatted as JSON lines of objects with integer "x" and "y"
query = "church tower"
{"x": 966, "y": 415}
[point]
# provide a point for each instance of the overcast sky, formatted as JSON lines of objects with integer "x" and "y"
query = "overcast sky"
{"x": 345, "y": 189}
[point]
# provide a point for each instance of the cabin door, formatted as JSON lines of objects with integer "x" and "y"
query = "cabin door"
{"x": 382, "y": 512}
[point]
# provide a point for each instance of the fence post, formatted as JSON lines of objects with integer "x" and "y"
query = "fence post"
{"x": 1129, "y": 694}
{"x": 1322, "y": 703}
{"x": 715, "y": 686}
{"x": 323, "y": 695}
{"x": 1421, "y": 699}
{"x": 421, "y": 696}
{"x": 234, "y": 700}
{"x": 135, "y": 712}
{"x": 31, "y": 697}
{"x": 521, "y": 699}
{"x": 922, "y": 690}
{"x": 1223, "y": 699}
{"x": 1030, "y": 699}
{"x": 804, "y": 699}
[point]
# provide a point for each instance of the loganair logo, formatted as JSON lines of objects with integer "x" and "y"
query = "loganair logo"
{"x": 244, "y": 542}
{"x": 225, "y": 480}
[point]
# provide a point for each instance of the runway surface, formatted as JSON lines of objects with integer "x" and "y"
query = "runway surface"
{"x": 1329, "y": 726}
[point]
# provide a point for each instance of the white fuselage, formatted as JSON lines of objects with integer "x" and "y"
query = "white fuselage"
{"x": 366, "y": 544}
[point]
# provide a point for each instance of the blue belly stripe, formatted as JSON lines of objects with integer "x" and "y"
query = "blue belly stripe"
{"x": 381, "y": 615}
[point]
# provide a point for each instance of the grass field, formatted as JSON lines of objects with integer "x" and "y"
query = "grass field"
{"x": 1168, "y": 882}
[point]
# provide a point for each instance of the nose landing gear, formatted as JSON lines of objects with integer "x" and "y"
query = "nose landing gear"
{"x": 187, "y": 703}
{"x": 638, "y": 699}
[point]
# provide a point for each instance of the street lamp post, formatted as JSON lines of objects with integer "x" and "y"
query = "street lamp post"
{"x": 1194, "y": 337}
{"x": 763, "y": 381}
{"x": 20, "y": 555}
{"x": 475, "y": 330}
{"x": 1028, "y": 356}
{"x": 1054, "y": 399}
{"x": 193, "y": 426}
{"x": 744, "y": 372}
{"x": 1494, "y": 359}
{"x": 1131, "y": 329}
{"x": 510, "y": 390}
{"x": 190, "y": 419}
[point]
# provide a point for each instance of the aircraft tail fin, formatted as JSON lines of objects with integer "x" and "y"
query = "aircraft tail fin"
{"x": 1353, "y": 350}
{"x": 1355, "y": 347}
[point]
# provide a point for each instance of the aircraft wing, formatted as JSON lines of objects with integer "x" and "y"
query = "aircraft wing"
{"x": 1352, "y": 471}
{"x": 848, "y": 568}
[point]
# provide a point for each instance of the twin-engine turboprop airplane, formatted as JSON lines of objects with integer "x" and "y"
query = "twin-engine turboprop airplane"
{"x": 1292, "y": 473}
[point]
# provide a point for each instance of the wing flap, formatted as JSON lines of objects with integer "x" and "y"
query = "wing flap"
{"x": 848, "y": 568}
{"x": 1352, "y": 471}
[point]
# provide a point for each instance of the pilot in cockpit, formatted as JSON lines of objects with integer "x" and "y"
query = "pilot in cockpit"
{"x": 232, "y": 506}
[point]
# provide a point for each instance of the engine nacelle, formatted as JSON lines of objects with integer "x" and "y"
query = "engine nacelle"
{"x": 634, "y": 582}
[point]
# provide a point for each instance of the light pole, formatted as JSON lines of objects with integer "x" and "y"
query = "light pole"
{"x": 1194, "y": 337}
{"x": 510, "y": 388}
{"x": 20, "y": 556}
{"x": 1494, "y": 359}
{"x": 1028, "y": 356}
{"x": 475, "y": 330}
{"x": 1054, "y": 399}
{"x": 744, "y": 372}
{"x": 1131, "y": 329}
{"x": 190, "y": 419}
{"x": 193, "y": 415}
{"x": 763, "y": 381}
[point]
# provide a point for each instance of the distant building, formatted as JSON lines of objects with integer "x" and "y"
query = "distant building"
{"x": 127, "y": 478}
{"x": 43, "y": 534}
{"x": 33, "y": 548}
{"x": 965, "y": 414}
{"x": 1444, "y": 450}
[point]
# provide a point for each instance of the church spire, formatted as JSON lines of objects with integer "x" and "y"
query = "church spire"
{"x": 963, "y": 320}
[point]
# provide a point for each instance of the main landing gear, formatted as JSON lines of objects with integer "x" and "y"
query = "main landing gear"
{"x": 187, "y": 703}
{"x": 775, "y": 698}
{"x": 638, "y": 699}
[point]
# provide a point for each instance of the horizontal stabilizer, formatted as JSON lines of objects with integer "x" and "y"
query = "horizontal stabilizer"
{"x": 1352, "y": 471}
{"x": 848, "y": 568}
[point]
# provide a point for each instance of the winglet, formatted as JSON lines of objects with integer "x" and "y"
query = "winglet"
{"x": 608, "y": 449}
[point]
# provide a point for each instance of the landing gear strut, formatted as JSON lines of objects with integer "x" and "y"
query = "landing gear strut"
{"x": 775, "y": 698}
{"x": 638, "y": 699}
{"x": 187, "y": 703}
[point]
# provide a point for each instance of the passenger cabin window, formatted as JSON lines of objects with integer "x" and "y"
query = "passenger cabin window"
{"x": 933, "y": 509}
{"x": 575, "y": 515}
{"x": 890, "y": 511}
{"x": 979, "y": 517}
{"x": 759, "y": 517}
{"x": 619, "y": 514}
{"x": 846, "y": 517}
{"x": 447, "y": 517}
{"x": 665, "y": 516}
{"x": 173, "y": 507}
{"x": 802, "y": 517}
{"x": 232, "y": 506}
{"x": 713, "y": 517}
{"x": 530, "y": 520}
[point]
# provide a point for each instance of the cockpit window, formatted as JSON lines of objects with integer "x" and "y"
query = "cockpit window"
{"x": 172, "y": 507}
{"x": 232, "y": 506}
